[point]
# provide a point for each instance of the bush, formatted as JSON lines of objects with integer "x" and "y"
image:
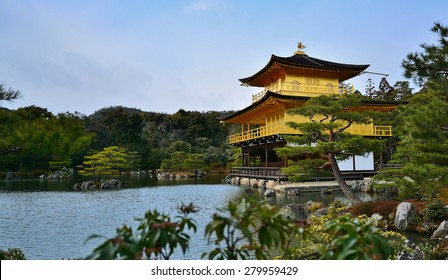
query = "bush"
{"x": 248, "y": 228}
{"x": 156, "y": 237}
{"x": 435, "y": 211}
{"x": 354, "y": 240}
{"x": 12, "y": 254}
{"x": 437, "y": 252}
{"x": 384, "y": 208}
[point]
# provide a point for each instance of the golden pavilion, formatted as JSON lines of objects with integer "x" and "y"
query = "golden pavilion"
{"x": 288, "y": 82}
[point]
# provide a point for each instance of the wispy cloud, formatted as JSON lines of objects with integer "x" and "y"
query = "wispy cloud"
{"x": 199, "y": 6}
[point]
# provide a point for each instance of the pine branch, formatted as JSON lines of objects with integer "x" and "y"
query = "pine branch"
{"x": 10, "y": 150}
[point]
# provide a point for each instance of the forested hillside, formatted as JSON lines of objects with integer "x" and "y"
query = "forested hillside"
{"x": 34, "y": 139}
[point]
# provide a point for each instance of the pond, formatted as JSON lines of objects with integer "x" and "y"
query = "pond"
{"x": 48, "y": 220}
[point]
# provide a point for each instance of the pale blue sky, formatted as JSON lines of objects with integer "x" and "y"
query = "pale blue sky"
{"x": 168, "y": 55}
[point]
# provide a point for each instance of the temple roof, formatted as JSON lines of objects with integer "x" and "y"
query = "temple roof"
{"x": 274, "y": 101}
{"x": 302, "y": 61}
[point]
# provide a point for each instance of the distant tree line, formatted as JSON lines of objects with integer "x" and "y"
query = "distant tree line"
{"x": 32, "y": 138}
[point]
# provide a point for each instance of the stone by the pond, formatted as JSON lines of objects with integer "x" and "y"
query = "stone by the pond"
{"x": 327, "y": 191}
{"x": 318, "y": 213}
{"x": 404, "y": 217}
{"x": 110, "y": 184}
{"x": 292, "y": 192}
{"x": 413, "y": 252}
{"x": 295, "y": 212}
{"x": 87, "y": 185}
{"x": 441, "y": 231}
{"x": 9, "y": 175}
{"x": 268, "y": 193}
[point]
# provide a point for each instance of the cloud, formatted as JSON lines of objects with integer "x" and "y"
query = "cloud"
{"x": 200, "y": 6}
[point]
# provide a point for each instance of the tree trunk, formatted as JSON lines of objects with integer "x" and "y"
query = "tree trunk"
{"x": 352, "y": 197}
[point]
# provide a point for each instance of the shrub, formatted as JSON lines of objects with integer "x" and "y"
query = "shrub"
{"x": 435, "y": 211}
{"x": 354, "y": 240}
{"x": 156, "y": 237}
{"x": 12, "y": 254}
{"x": 384, "y": 208}
{"x": 248, "y": 228}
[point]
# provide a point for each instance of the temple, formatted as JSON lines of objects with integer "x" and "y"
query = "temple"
{"x": 288, "y": 82}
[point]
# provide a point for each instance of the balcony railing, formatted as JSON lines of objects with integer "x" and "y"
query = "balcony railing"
{"x": 273, "y": 129}
{"x": 258, "y": 172}
{"x": 282, "y": 128}
{"x": 302, "y": 89}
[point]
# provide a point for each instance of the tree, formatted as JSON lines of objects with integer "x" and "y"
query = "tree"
{"x": 330, "y": 117}
{"x": 194, "y": 162}
{"x": 402, "y": 90}
{"x": 423, "y": 147}
{"x": 385, "y": 90}
{"x": 423, "y": 123}
{"x": 430, "y": 67}
{"x": 8, "y": 94}
{"x": 109, "y": 162}
{"x": 54, "y": 139}
{"x": 370, "y": 89}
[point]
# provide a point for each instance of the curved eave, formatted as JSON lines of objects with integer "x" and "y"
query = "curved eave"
{"x": 269, "y": 95}
{"x": 346, "y": 71}
{"x": 374, "y": 105}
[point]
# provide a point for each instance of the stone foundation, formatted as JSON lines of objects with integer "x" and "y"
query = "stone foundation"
{"x": 254, "y": 183}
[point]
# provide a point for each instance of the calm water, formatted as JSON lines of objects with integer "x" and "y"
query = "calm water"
{"x": 48, "y": 220}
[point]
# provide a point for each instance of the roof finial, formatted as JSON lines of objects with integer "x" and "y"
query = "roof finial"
{"x": 300, "y": 48}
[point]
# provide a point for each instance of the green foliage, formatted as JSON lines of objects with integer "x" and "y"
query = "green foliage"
{"x": 329, "y": 118}
{"x": 12, "y": 254}
{"x": 194, "y": 162}
{"x": 435, "y": 211}
{"x": 430, "y": 65}
{"x": 109, "y": 162}
{"x": 400, "y": 91}
{"x": 423, "y": 147}
{"x": 354, "y": 241}
{"x": 157, "y": 237}
{"x": 43, "y": 136}
{"x": 436, "y": 252}
{"x": 248, "y": 228}
{"x": 8, "y": 94}
{"x": 32, "y": 137}
{"x": 156, "y": 136}
{"x": 334, "y": 235}
{"x": 422, "y": 125}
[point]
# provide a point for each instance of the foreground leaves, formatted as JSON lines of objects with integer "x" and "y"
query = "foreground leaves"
{"x": 157, "y": 237}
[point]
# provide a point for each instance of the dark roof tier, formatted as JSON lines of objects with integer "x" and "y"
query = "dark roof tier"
{"x": 345, "y": 71}
{"x": 374, "y": 105}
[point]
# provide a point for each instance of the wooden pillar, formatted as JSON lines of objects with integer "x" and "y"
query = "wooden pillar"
{"x": 266, "y": 155}
{"x": 354, "y": 163}
{"x": 381, "y": 160}
{"x": 248, "y": 157}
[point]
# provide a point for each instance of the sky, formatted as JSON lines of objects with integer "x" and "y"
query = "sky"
{"x": 163, "y": 56}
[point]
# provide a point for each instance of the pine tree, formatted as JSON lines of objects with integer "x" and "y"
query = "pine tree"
{"x": 109, "y": 162}
{"x": 385, "y": 90}
{"x": 9, "y": 94}
{"x": 370, "y": 89}
{"x": 330, "y": 117}
{"x": 423, "y": 123}
{"x": 430, "y": 67}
